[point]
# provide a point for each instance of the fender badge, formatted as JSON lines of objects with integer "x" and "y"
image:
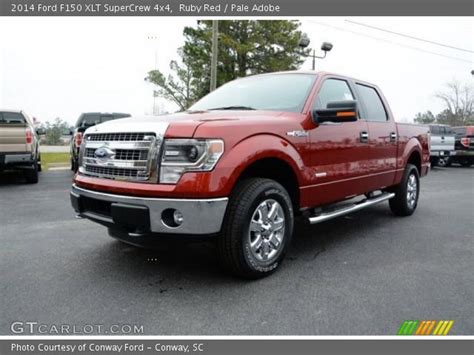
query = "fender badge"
{"x": 297, "y": 134}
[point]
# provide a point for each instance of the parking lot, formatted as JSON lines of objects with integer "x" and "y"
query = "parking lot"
{"x": 358, "y": 275}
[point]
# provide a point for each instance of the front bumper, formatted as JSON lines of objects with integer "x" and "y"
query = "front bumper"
{"x": 141, "y": 216}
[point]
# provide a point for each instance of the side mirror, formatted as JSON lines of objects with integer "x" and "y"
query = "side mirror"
{"x": 40, "y": 131}
{"x": 337, "y": 111}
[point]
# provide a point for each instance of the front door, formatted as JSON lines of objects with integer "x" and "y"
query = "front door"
{"x": 339, "y": 150}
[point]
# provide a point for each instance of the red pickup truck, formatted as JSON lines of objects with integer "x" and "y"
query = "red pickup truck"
{"x": 247, "y": 159}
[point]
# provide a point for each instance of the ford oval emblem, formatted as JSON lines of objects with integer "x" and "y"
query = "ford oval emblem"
{"x": 103, "y": 152}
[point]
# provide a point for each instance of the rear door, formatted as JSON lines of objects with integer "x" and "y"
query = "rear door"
{"x": 382, "y": 137}
{"x": 12, "y": 132}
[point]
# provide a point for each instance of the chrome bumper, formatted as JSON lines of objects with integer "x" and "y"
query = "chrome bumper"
{"x": 200, "y": 216}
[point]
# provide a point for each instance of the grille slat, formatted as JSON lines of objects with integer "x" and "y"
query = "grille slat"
{"x": 122, "y": 154}
{"x": 127, "y": 137}
{"x": 106, "y": 171}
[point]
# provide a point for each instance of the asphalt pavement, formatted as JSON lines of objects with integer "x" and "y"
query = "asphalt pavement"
{"x": 363, "y": 274}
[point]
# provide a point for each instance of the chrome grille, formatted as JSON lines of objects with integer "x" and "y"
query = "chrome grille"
{"x": 122, "y": 156}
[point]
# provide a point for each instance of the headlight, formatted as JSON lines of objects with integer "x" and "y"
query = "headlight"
{"x": 182, "y": 155}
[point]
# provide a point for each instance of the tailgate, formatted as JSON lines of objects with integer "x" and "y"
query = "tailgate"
{"x": 12, "y": 137}
{"x": 442, "y": 143}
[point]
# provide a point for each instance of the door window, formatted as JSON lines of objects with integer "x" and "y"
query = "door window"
{"x": 333, "y": 90}
{"x": 434, "y": 130}
{"x": 373, "y": 103}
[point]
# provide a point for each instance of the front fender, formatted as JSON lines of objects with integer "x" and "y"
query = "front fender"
{"x": 252, "y": 149}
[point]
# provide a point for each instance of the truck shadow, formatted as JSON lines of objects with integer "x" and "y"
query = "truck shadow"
{"x": 11, "y": 178}
{"x": 173, "y": 267}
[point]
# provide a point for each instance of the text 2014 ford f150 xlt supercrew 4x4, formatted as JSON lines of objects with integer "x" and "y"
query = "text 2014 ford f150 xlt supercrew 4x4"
{"x": 246, "y": 159}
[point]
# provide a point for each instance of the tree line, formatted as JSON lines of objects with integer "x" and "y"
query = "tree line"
{"x": 458, "y": 100}
{"x": 245, "y": 48}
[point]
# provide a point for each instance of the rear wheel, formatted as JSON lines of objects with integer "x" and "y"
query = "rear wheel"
{"x": 406, "y": 193}
{"x": 31, "y": 175}
{"x": 465, "y": 162}
{"x": 444, "y": 162}
{"x": 257, "y": 228}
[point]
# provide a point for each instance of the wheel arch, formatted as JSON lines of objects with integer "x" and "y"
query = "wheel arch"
{"x": 279, "y": 161}
{"x": 278, "y": 170}
{"x": 415, "y": 159}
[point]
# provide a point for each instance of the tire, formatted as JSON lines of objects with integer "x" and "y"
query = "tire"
{"x": 404, "y": 203}
{"x": 39, "y": 164}
{"x": 444, "y": 162}
{"x": 246, "y": 223}
{"x": 31, "y": 175}
{"x": 74, "y": 166}
{"x": 465, "y": 163}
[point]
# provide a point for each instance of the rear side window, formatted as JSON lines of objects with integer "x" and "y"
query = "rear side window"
{"x": 434, "y": 129}
{"x": 333, "y": 90}
{"x": 448, "y": 130}
{"x": 11, "y": 118}
{"x": 373, "y": 103}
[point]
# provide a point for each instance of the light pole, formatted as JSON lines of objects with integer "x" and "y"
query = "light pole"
{"x": 154, "y": 39}
{"x": 325, "y": 47}
{"x": 215, "y": 34}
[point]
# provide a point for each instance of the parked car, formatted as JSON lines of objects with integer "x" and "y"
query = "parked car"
{"x": 85, "y": 121}
{"x": 19, "y": 144}
{"x": 441, "y": 144}
{"x": 246, "y": 159}
{"x": 464, "y": 146}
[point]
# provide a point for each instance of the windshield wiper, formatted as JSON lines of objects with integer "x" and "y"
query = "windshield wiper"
{"x": 232, "y": 108}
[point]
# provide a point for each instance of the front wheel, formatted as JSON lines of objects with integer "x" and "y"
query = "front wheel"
{"x": 406, "y": 193}
{"x": 257, "y": 229}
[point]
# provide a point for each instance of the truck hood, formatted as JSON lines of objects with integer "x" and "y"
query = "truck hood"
{"x": 182, "y": 124}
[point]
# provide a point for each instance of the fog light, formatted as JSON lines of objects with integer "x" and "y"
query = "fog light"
{"x": 178, "y": 217}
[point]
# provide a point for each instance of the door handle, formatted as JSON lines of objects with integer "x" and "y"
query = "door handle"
{"x": 364, "y": 137}
{"x": 393, "y": 137}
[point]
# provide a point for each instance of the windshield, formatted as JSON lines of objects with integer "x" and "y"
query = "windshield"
{"x": 91, "y": 119}
{"x": 279, "y": 92}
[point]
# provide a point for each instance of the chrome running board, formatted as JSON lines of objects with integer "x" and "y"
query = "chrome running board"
{"x": 355, "y": 207}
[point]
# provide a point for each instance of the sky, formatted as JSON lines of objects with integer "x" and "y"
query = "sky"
{"x": 60, "y": 67}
